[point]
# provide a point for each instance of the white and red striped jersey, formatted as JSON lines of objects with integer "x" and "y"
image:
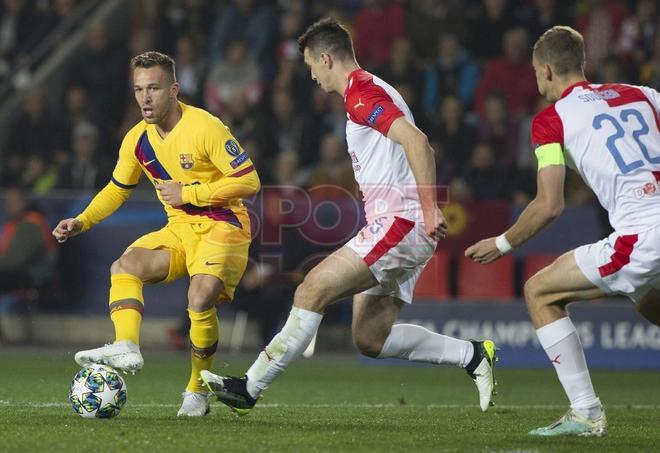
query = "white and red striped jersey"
{"x": 610, "y": 135}
{"x": 380, "y": 165}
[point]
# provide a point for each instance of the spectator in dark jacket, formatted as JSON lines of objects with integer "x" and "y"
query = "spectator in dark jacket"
{"x": 453, "y": 72}
{"x": 25, "y": 244}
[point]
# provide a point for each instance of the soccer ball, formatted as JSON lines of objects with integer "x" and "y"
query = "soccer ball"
{"x": 97, "y": 391}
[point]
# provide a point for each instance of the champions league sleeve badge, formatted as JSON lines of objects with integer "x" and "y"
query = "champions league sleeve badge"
{"x": 232, "y": 148}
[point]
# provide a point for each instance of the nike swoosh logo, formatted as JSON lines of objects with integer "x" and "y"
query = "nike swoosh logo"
{"x": 208, "y": 263}
{"x": 147, "y": 163}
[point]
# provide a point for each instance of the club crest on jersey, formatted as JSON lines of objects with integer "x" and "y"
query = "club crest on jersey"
{"x": 186, "y": 161}
{"x": 232, "y": 148}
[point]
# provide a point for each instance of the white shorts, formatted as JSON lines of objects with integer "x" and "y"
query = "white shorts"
{"x": 396, "y": 251}
{"x": 623, "y": 264}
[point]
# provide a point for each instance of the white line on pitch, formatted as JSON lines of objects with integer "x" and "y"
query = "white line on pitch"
{"x": 5, "y": 403}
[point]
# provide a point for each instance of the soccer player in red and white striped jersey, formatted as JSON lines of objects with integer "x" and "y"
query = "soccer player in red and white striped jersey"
{"x": 610, "y": 135}
{"x": 395, "y": 169}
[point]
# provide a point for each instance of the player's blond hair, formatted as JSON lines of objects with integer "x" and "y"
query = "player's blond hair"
{"x": 562, "y": 48}
{"x": 152, "y": 59}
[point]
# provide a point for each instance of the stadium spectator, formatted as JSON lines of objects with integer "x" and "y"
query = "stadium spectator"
{"x": 316, "y": 122}
{"x": 337, "y": 117}
{"x": 649, "y": 73}
{"x": 498, "y": 128}
{"x": 76, "y": 100}
{"x": 59, "y": 12}
{"x": 453, "y": 72}
{"x": 33, "y": 139}
{"x": 401, "y": 68}
{"x": 540, "y": 15}
{"x": 610, "y": 70}
{"x": 511, "y": 75}
{"x": 453, "y": 133}
{"x": 282, "y": 131}
{"x": 426, "y": 19}
{"x": 600, "y": 23}
{"x": 252, "y": 20}
{"x": 89, "y": 168}
{"x": 140, "y": 41}
{"x": 238, "y": 71}
{"x": 177, "y": 18}
{"x": 486, "y": 28}
{"x": 638, "y": 33}
{"x": 18, "y": 21}
{"x": 334, "y": 167}
{"x": 444, "y": 170}
{"x": 291, "y": 23}
{"x": 377, "y": 24}
{"x": 100, "y": 67}
{"x": 241, "y": 117}
{"x": 25, "y": 244}
{"x": 190, "y": 70}
{"x": 523, "y": 181}
{"x": 484, "y": 177}
{"x": 286, "y": 170}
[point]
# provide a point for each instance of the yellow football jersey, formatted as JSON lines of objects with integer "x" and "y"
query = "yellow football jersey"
{"x": 200, "y": 150}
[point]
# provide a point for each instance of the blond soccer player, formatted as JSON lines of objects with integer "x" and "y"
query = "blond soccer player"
{"x": 609, "y": 134}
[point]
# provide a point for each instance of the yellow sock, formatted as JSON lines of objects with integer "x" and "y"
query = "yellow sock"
{"x": 126, "y": 306}
{"x": 203, "y": 342}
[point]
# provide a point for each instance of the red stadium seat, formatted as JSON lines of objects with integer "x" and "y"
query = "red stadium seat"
{"x": 492, "y": 281}
{"x": 434, "y": 281}
{"x": 535, "y": 262}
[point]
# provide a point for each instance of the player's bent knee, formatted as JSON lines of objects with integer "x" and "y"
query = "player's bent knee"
{"x": 368, "y": 346}
{"x": 533, "y": 293}
{"x": 200, "y": 302}
{"x": 126, "y": 265}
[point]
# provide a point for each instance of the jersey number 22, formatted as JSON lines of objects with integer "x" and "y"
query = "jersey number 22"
{"x": 625, "y": 115}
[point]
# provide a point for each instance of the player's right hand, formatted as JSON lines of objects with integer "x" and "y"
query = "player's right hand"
{"x": 67, "y": 228}
{"x": 436, "y": 224}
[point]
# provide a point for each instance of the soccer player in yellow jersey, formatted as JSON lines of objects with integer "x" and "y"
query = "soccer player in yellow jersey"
{"x": 200, "y": 173}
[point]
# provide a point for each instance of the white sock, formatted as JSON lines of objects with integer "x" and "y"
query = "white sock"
{"x": 562, "y": 344}
{"x": 283, "y": 349}
{"x": 417, "y": 344}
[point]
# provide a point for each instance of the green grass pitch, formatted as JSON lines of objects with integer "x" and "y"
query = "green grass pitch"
{"x": 321, "y": 404}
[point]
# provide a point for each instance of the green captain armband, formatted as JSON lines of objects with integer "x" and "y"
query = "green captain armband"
{"x": 550, "y": 154}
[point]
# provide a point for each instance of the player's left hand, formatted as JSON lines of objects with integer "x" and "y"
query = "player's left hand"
{"x": 171, "y": 193}
{"x": 484, "y": 251}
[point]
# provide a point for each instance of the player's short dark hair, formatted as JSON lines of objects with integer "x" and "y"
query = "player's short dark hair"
{"x": 151, "y": 59}
{"x": 562, "y": 48}
{"x": 327, "y": 36}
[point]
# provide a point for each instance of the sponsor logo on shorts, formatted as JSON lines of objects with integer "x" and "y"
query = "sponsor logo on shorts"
{"x": 648, "y": 189}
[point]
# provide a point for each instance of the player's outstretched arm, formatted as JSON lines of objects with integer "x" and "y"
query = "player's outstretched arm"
{"x": 67, "y": 228}
{"x": 422, "y": 163}
{"x": 539, "y": 213}
{"x": 107, "y": 201}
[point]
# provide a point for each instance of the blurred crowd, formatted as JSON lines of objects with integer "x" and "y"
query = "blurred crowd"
{"x": 464, "y": 68}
